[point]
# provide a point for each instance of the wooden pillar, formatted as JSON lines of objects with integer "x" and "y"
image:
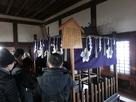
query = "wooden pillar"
{"x": 15, "y": 34}
{"x": 116, "y": 78}
{"x": 96, "y": 71}
{"x": 72, "y": 71}
{"x": 60, "y": 31}
{"x": 89, "y": 78}
{"x": 115, "y": 70}
{"x": 93, "y": 13}
{"x": 93, "y": 22}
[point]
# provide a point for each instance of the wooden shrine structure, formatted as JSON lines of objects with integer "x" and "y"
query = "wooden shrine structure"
{"x": 91, "y": 87}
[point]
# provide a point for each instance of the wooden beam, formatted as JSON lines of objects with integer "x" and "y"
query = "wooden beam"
{"x": 99, "y": 1}
{"x": 73, "y": 11}
{"x": 20, "y": 21}
{"x": 48, "y": 4}
{"x": 35, "y": 5}
{"x": 120, "y": 76}
{"x": 9, "y": 6}
{"x": 12, "y": 44}
{"x": 21, "y": 7}
{"x": 55, "y": 7}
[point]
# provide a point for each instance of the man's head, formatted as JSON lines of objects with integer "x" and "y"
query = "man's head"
{"x": 55, "y": 60}
{"x": 6, "y": 58}
{"x": 19, "y": 53}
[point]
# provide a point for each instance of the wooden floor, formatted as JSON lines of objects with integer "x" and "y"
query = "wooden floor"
{"x": 127, "y": 96}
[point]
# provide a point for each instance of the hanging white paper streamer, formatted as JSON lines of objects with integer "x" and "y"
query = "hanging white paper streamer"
{"x": 114, "y": 43}
{"x": 100, "y": 44}
{"x": 49, "y": 48}
{"x": 61, "y": 50}
{"x": 57, "y": 46}
{"x": 90, "y": 45}
{"x": 96, "y": 53}
{"x": 40, "y": 50}
{"x": 53, "y": 45}
{"x": 35, "y": 49}
{"x": 65, "y": 55}
{"x": 111, "y": 49}
{"x": 108, "y": 50}
{"x": 104, "y": 47}
{"x": 85, "y": 54}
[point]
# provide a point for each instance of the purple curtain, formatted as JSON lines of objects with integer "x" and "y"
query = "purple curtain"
{"x": 96, "y": 52}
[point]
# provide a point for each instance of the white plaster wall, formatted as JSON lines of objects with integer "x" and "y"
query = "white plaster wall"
{"x": 112, "y": 15}
{"x": 26, "y": 32}
{"x": 116, "y": 15}
{"x": 82, "y": 18}
{"x": 6, "y": 32}
{"x": 53, "y": 29}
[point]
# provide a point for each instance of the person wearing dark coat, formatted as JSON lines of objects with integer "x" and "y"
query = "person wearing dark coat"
{"x": 18, "y": 54}
{"x": 55, "y": 83}
{"x": 8, "y": 89}
{"x": 25, "y": 83}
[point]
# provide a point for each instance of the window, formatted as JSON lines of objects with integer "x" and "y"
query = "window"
{"x": 123, "y": 57}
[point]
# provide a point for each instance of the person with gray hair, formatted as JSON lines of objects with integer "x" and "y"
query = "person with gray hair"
{"x": 26, "y": 54}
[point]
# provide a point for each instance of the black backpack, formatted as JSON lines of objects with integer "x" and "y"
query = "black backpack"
{"x": 25, "y": 93}
{"x": 59, "y": 97}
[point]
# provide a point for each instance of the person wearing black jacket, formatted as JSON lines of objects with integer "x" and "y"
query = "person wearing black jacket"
{"x": 55, "y": 83}
{"x": 8, "y": 89}
{"x": 18, "y": 54}
{"x": 25, "y": 83}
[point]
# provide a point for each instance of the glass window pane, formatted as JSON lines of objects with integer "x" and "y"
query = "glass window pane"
{"x": 123, "y": 58}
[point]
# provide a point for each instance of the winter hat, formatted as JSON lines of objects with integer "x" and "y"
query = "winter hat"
{"x": 6, "y": 57}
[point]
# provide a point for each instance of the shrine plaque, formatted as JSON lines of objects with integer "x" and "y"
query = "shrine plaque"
{"x": 71, "y": 37}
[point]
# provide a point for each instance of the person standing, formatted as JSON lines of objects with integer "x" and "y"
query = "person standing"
{"x": 55, "y": 83}
{"x": 26, "y": 54}
{"x": 25, "y": 83}
{"x": 8, "y": 89}
{"x": 18, "y": 60}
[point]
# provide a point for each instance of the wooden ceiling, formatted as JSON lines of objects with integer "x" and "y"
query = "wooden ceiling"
{"x": 34, "y": 9}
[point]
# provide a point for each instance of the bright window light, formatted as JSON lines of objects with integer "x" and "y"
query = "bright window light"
{"x": 123, "y": 57}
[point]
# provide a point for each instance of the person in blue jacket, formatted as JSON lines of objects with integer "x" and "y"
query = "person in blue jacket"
{"x": 55, "y": 83}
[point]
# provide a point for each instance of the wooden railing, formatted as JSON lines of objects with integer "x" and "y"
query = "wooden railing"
{"x": 101, "y": 92}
